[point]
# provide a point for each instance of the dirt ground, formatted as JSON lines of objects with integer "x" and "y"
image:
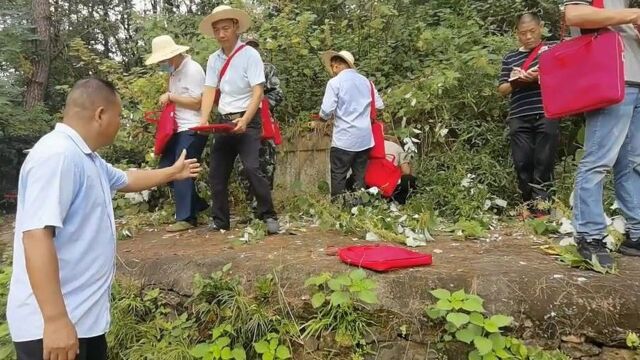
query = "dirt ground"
{"x": 548, "y": 300}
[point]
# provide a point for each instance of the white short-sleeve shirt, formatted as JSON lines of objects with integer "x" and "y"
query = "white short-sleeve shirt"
{"x": 64, "y": 185}
{"x": 187, "y": 80}
{"x": 245, "y": 71}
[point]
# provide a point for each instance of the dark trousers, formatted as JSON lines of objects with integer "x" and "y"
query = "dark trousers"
{"x": 341, "y": 162}
{"x": 224, "y": 150}
{"x": 188, "y": 202}
{"x": 267, "y": 159}
{"x": 534, "y": 144}
{"x": 94, "y": 348}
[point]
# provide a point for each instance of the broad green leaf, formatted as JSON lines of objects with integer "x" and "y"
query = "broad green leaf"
{"x": 476, "y": 319}
{"x": 368, "y": 296}
{"x": 490, "y": 356}
{"x": 226, "y": 354}
{"x": 368, "y": 284}
{"x": 283, "y": 352}
{"x": 474, "y": 355}
{"x": 457, "y": 304}
{"x": 434, "y": 313}
{"x": 226, "y": 267}
{"x": 357, "y": 275}
{"x": 344, "y": 279}
{"x": 222, "y": 342}
{"x": 633, "y": 341}
{"x": 465, "y": 335}
{"x": 200, "y": 350}
{"x": 458, "y": 319}
{"x": 273, "y": 344}
{"x": 523, "y": 351}
{"x": 447, "y": 337}
{"x": 501, "y": 320}
{"x": 334, "y": 285}
{"x": 483, "y": 345}
{"x": 503, "y": 354}
{"x": 475, "y": 329}
{"x": 444, "y": 305}
{"x": 339, "y": 298}
{"x": 458, "y": 295}
{"x": 318, "y": 299}
{"x": 441, "y": 294}
{"x": 498, "y": 341}
{"x": 473, "y": 304}
{"x": 490, "y": 326}
{"x": 261, "y": 347}
{"x": 268, "y": 356}
{"x": 239, "y": 353}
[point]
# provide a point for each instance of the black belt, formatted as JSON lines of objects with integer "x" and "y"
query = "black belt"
{"x": 232, "y": 116}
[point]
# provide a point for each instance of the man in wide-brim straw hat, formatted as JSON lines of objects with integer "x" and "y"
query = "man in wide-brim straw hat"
{"x": 240, "y": 91}
{"x": 186, "y": 80}
{"x": 347, "y": 99}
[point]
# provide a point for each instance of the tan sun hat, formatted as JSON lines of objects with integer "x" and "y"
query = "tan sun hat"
{"x": 162, "y": 48}
{"x": 223, "y": 12}
{"x": 345, "y": 55}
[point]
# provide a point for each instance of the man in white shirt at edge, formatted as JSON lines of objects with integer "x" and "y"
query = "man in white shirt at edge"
{"x": 347, "y": 98}
{"x": 186, "y": 79}
{"x": 241, "y": 92}
{"x": 65, "y": 237}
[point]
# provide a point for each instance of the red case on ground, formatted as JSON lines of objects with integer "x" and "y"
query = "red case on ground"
{"x": 383, "y": 258}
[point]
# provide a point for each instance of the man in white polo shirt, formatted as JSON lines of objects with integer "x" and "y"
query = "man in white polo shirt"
{"x": 240, "y": 92}
{"x": 65, "y": 236}
{"x": 186, "y": 79}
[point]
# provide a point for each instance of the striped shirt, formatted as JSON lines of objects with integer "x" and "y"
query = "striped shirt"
{"x": 525, "y": 100}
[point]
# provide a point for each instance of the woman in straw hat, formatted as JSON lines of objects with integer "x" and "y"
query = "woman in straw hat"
{"x": 240, "y": 91}
{"x": 347, "y": 99}
{"x": 185, "y": 90}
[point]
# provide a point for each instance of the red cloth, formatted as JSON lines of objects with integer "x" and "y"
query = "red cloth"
{"x": 383, "y": 174}
{"x": 383, "y": 258}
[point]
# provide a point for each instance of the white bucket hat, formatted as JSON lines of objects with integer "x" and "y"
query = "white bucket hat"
{"x": 162, "y": 48}
{"x": 345, "y": 55}
{"x": 223, "y": 12}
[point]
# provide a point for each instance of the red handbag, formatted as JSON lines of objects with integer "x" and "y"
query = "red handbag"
{"x": 223, "y": 70}
{"x": 166, "y": 125}
{"x": 383, "y": 174}
{"x": 383, "y": 258}
{"x": 270, "y": 127}
{"x": 377, "y": 128}
{"x": 583, "y": 74}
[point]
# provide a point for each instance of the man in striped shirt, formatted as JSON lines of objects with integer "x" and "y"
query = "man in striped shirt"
{"x": 534, "y": 138}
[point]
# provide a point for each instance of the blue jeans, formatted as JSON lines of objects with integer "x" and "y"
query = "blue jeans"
{"x": 188, "y": 202}
{"x": 612, "y": 140}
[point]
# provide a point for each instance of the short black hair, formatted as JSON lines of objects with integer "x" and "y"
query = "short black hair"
{"x": 339, "y": 59}
{"x": 90, "y": 91}
{"x": 529, "y": 16}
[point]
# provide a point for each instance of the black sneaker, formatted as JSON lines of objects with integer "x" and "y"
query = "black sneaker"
{"x": 215, "y": 227}
{"x": 595, "y": 250}
{"x": 630, "y": 247}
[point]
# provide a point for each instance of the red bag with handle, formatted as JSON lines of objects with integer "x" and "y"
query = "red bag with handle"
{"x": 166, "y": 126}
{"x": 383, "y": 174}
{"x": 383, "y": 258}
{"x": 583, "y": 74}
{"x": 270, "y": 128}
{"x": 377, "y": 128}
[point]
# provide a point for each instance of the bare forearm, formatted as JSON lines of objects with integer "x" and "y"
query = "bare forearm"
{"x": 256, "y": 99}
{"x": 505, "y": 89}
{"x": 588, "y": 17}
{"x": 208, "y": 95}
{"x": 406, "y": 169}
{"x": 138, "y": 180}
{"x": 188, "y": 102}
{"x": 43, "y": 271}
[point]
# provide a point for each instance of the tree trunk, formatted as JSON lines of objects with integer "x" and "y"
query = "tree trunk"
{"x": 37, "y": 83}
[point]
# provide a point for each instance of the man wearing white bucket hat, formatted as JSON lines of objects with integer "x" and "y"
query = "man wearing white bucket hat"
{"x": 235, "y": 84}
{"x": 348, "y": 99}
{"x": 186, "y": 80}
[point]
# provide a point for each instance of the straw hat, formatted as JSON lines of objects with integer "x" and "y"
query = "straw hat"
{"x": 162, "y": 48}
{"x": 223, "y": 12}
{"x": 345, "y": 55}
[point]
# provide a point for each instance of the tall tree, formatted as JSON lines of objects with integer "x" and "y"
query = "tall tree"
{"x": 39, "y": 77}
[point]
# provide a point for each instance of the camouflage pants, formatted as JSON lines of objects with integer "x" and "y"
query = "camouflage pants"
{"x": 267, "y": 159}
